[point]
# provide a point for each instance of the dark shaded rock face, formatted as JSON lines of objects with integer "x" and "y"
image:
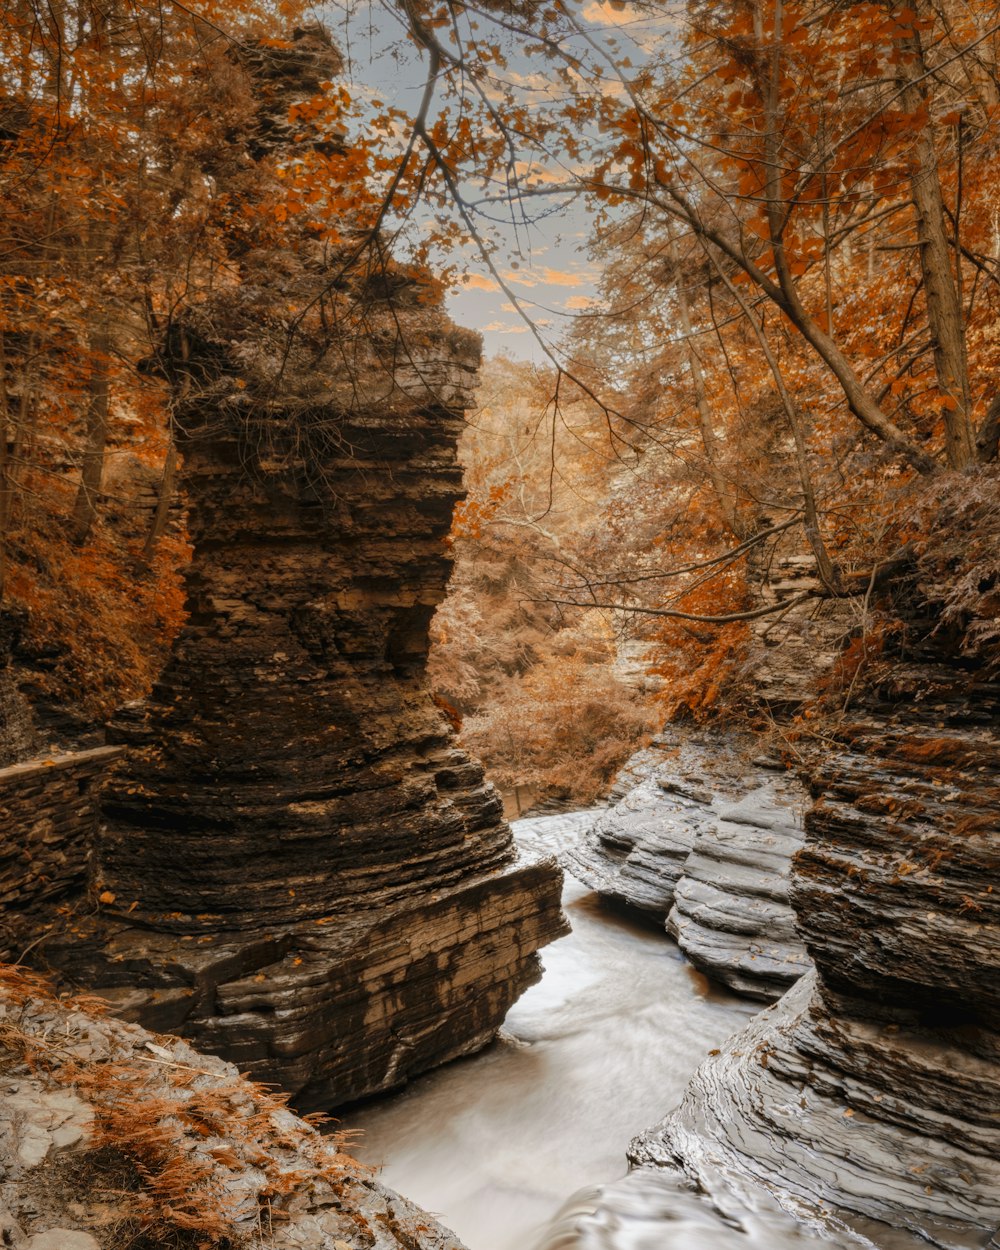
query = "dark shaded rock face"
{"x": 307, "y": 876}
{"x": 299, "y": 869}
{"x": 872, "y": 1091}
{"x": 49, "y": 811}
{"x": 19, "y": 738}
{"x": 290, "y": 745}
{"x": 702, "y": 840}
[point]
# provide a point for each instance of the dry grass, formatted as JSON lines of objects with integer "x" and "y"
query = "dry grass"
{"x": 180, "y": 1157}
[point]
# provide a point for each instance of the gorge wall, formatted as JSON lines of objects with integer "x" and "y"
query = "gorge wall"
{"x": 49, "y": 812}
{"x": 871, "y": 1091}
{"x": 298, "y": 868}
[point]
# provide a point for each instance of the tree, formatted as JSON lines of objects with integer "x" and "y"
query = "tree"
{"x": 796, "y": 208}
{"x": 119, "y": 127}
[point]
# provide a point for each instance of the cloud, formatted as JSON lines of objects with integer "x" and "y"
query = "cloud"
{"x": 579, "y": 302}
{"x": 563, "y": 277}
{"x": 546, "y": 276}
{"x": 535, "y": 174}
{"x": 504, "y": 327}
{"x": 645, "y": 31}
{"x": 478, "y": 282}
{"x": 606, "y": 14}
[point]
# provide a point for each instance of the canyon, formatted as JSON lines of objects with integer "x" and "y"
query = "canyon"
{"x": 284, "y": 856}
{"x": 885, "y": 1052}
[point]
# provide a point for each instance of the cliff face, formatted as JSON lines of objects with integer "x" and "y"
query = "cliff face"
{"x": 871, "y": 1092}
{"x": 307, "y": 876}
{"x": 298, "y": 868}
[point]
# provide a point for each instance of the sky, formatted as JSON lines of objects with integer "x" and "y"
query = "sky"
{"x": 546, "y": 264}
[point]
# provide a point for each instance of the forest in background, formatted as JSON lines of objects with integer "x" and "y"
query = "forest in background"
{"x": 793, "y": 355}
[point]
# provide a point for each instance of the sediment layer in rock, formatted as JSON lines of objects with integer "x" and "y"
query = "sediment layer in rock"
{"x": 702, "y": 839}
{"x": 341, "y": 1007}
{"x": 731, "y": 914}
{"x": 872, "y": 1091}
{"x": 846, "y": 1120}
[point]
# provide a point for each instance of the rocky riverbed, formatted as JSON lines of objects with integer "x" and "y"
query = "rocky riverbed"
{"x": 111, "y": 1136}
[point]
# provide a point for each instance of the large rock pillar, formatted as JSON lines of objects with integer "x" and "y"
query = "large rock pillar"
{"x": 300, "y": 870}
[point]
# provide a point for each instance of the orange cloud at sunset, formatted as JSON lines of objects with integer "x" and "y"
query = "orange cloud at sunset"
{"x": 478, "y": 282}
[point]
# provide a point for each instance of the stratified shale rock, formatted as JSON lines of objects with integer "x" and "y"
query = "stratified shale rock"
{"x": 872, "y": 1090}
{"x": 662, "y": 799}
{"x": 702, "y": 840}
{"x": 731, "y": 914}
{"x": 299, "y": 869}
{"x": 19, "y": 738}
{"x": 793, "y": 649}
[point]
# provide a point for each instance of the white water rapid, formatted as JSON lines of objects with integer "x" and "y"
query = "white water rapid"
{"x": 499, "y": 1146}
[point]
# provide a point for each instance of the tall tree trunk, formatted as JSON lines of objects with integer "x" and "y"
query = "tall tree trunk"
{"x": 164, "y": 499}
{"x": 944, "y": 309}
{"x": 824, "y": 565}
{"x": 96, "y": 436}
{"x": 14, "y": 432}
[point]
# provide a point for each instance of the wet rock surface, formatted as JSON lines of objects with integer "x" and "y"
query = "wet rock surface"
{"x": 850, "y": 1122}
{"x": 871, "y": 1092}
{"x": 65, "y": 1184}
{"x": 731, "y": 914}
{"x": 701, "y": 838}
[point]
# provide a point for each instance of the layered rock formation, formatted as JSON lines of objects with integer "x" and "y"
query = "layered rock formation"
{"x": 872, "y": 1091}
{"x": 701, "y": 839}
{"x": 19, "y": 738}
{"x": 49, "y": 810}
{"x": 793, "y": 649}
{"x": 299, "y": 869}
{"x": 731, "y": 914}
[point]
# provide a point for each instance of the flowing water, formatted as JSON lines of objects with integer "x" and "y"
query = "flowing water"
{"x": 602, "y": 1047}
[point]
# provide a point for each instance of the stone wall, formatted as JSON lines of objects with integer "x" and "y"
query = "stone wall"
{"x": 49, "y": 810}
{"x": 871, "y": 1091}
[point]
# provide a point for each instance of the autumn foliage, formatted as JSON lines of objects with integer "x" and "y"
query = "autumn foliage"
{"x": 794, "y": 353}
{"x": 792, "y": 357}
{"x": 138, "y": 162}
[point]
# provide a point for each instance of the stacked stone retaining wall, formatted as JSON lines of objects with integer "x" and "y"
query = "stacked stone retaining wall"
{"x": 49, "y": 809}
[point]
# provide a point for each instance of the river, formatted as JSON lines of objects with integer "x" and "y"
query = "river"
{"x": 522, "y": 1146}
{"x": 494, "y": 1145}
